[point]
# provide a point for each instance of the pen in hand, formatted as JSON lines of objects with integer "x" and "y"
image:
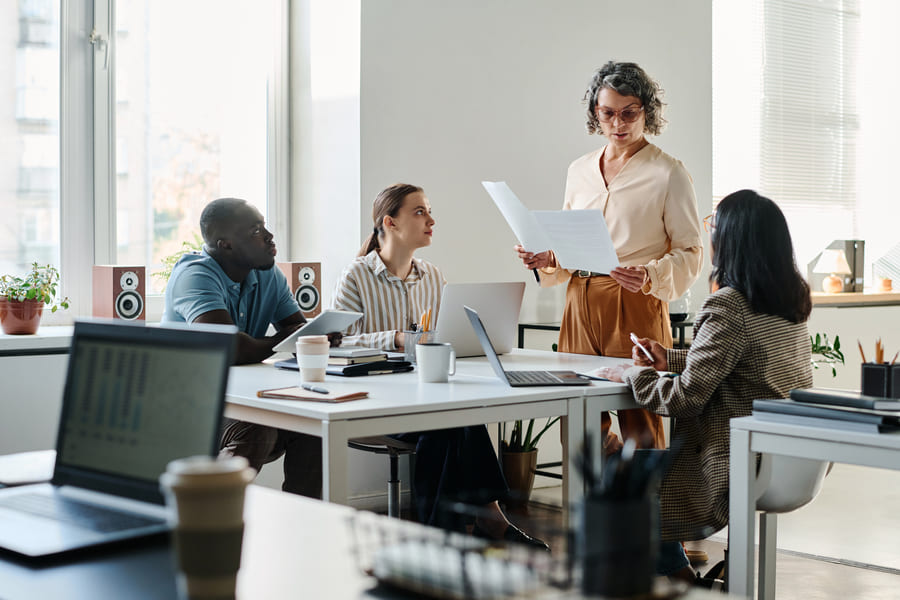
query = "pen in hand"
{"x": 314, "y": 388}
{"x": 637, "y": 343}
{"x": 536, "y": 276}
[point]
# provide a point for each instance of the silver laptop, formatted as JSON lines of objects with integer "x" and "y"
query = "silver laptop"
{"x": 519, "y": 378}
{"x": 135, "y": 398}
{"x": 499, "y": 303}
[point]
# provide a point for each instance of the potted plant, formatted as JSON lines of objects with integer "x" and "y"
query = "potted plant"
{"x": 23, "y": 299}
{"x": 168, "y": 263}
{"x": 518, "y": 455}
{"x": 828, "y": 354}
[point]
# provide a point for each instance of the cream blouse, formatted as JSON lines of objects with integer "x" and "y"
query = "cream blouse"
{"x": 651, "y": 211}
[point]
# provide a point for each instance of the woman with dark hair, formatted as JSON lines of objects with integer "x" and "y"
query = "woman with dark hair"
{"x": 392, "y": 288}
{"x": 647, "y": 199}
{"x": 750, "y": 341}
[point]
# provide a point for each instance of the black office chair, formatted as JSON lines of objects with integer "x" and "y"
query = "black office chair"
{"x": 382, "y": 444}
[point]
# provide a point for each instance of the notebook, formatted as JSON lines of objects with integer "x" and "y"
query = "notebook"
{"x": 498, "y": 303}
{"x": 519, "y": 378}
{"x": 135, "y": 398}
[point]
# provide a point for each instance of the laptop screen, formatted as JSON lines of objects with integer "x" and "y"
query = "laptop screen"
{"x": 138, "y": 397}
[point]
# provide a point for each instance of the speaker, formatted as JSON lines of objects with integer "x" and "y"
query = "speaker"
{"x": 119, "y": 292}
{"x": 305, "y": 280}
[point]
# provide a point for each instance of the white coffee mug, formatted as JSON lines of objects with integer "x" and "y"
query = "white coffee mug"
{"x": 435, "y": 361}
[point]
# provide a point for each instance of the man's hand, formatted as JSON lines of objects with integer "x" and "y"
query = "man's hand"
{"x": 630, "y": 278}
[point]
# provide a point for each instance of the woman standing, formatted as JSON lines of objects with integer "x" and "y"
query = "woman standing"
{"x": 750, "y": 341}
{"x": 647, "y": 199}
{"x": 392, "y": 288}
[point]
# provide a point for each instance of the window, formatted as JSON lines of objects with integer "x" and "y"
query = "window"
{"x": 192, "y": 117}
{"x": 799, "y": 113}
{"x": 29, "y": 135}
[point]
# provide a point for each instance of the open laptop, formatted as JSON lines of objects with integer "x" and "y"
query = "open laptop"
{"x": 135, "y": 398}
{"x": 519, "y": 378}
{"x": 499, "y": 303}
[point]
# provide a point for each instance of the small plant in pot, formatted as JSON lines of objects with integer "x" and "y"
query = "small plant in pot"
{"x": 518, "y": 455}
{"x": 23, "y": 299}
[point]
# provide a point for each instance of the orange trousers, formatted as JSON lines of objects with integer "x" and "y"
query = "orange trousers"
{"x": 597, "y": 319}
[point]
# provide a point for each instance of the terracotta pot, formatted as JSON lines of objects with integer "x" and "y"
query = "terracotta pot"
{"x": 20, "y": 318}
{"x": 518, "y": 469}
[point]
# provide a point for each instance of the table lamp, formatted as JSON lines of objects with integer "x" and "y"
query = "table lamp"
{"x": 834, "y": 262}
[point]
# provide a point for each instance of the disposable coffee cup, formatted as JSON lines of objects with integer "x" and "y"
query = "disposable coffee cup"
{"x": 435, "y": 361}
{"x": 205, "y": 501}
{"x": 312, "y": 357}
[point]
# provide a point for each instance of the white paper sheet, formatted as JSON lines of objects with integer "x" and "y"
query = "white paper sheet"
{"x": 526, "y": 228}
{"x": 579, "y": 238}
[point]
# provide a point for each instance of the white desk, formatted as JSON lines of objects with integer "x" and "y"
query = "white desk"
{"x": 399, "y": 403}
{"x": 750, "y": 435}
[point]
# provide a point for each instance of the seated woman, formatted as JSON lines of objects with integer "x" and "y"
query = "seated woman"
{"x": 392, "y": 288}
{"x": 750, "y": 341}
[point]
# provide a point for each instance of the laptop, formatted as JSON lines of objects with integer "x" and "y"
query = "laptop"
{"x": 499, "y": 303}
{"x": 519, "y": 378}
{"x": 135, "y": 398}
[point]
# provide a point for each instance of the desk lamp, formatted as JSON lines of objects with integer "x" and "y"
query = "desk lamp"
{"x": 834, "y": 262}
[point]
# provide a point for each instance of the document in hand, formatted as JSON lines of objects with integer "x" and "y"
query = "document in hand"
{"x": 297, "y": 393}
{"x": 579, "y": 238}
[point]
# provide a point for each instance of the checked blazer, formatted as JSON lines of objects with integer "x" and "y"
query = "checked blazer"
{"x": 736, "y": 356}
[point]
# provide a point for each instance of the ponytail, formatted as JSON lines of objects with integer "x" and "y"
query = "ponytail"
{"x": 387, "y": 204}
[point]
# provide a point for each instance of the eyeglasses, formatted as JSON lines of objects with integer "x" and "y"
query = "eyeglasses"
{"x": 708, "y": 224}
{"x": 629, "y": 114}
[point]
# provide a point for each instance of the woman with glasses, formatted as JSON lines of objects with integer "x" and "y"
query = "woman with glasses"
{"x": 750, "y": 341}
{"x": 648, "y": 202}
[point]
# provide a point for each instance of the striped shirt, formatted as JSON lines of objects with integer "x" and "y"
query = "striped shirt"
{"x": 387, "y": 302}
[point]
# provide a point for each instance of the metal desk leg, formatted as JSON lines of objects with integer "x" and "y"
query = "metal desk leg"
{"x": 768, "y": 537}
{"x": 741, "y": 512}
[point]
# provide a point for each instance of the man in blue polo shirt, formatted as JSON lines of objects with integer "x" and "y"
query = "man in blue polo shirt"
{"x": 232, "y": 281}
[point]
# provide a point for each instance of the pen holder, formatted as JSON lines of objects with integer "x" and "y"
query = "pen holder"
{"x": 410, "y": 339}
{"x": 618, "y": 542}
{"x": 881, "y": 379}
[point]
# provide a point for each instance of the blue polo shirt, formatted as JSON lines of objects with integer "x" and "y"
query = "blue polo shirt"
{"x": 199, "y": 285}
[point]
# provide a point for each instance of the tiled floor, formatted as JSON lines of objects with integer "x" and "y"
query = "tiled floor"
{"x": 845, "y": 544}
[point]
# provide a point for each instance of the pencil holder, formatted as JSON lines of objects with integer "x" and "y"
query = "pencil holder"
{"x": 881, "y": 379}
{"x": 410, "y": 339}
{"x": 618, "y": 542}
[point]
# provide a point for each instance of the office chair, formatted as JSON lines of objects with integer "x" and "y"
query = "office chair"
{"x": 783, "y": 484}
{"x": 382, "y": 444}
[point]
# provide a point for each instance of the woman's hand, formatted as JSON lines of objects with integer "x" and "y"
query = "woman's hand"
{"x": 657, "y": 351}
{"x": 535, "y": 261}
{"x": 398, "y": 340}
{"x": 334, "y": 339}
{"x": 630, "y": 278}
{"x": 612, "y": 373}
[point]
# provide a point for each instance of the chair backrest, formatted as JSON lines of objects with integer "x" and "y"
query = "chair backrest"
{"x": 786, "y": 483}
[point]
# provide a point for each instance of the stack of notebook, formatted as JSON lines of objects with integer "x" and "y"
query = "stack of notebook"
{"x": 354, "y": 355}
{"x": 833, "y": 408}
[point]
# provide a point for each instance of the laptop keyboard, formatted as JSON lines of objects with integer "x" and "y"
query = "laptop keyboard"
{"x": 89, "y": 516}
{"x": 532, "y": 377}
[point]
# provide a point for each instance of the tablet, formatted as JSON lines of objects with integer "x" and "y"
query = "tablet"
{"x": 329, "y": 321}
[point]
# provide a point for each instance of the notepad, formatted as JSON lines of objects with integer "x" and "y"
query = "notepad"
{"x": 297, "y": 393}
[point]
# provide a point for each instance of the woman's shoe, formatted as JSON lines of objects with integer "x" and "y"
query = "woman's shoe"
{"x": 513, "y": 534}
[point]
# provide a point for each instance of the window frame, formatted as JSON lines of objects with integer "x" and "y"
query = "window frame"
{"x": 88, "y": 150}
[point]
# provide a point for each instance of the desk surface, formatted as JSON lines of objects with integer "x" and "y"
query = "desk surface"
{"x": 474, "y": 385}
{"x": 750, "y": 435}
{"x": 294, "y": 547}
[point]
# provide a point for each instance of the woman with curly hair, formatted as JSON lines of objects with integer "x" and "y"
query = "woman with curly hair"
{"x": 648, "y": 202}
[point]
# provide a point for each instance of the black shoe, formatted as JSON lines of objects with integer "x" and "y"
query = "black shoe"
{"x": 515, "y": 535}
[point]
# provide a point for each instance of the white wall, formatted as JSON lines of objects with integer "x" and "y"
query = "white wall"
{"x": 456, "y": 93}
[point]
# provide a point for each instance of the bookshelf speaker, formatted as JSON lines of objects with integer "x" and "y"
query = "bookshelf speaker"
{"x": 305, "y": 280}
{"x": 119, "y": 292}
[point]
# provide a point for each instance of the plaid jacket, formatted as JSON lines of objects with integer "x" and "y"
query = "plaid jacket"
{"x": 736, "y": 356}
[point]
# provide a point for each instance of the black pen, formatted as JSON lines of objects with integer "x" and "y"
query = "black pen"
{"x": 593, "y": 377}
{"x": 314, "y": 388}
{"x": 536, "y": 276}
